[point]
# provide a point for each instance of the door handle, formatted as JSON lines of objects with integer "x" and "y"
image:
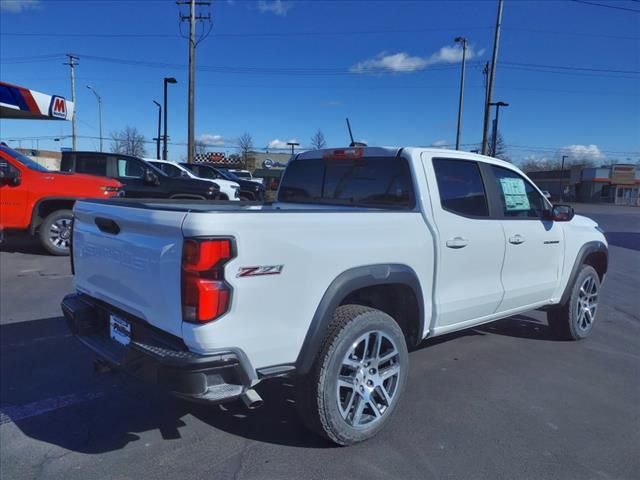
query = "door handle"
{"x": 516, "y": 239}
{"x": 107, "y": 225}
{"x": 457, "y": 242}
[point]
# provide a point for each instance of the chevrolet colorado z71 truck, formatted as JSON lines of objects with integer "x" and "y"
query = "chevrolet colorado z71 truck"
{"x": 365, "y": 253}
{"x": 39, "y": 201}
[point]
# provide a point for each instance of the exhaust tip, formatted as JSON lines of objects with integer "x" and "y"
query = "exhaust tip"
{"x": 251, "y": 399}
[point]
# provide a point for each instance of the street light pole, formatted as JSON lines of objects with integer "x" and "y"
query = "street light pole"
{"x": 293, "y": 145}
{"x": 99, "y": 112}
{"x": 159, "y": 127}
{"x": 167, "y": 80}
{"x": 463, "y": 41}
{"x": 494, "y": 140}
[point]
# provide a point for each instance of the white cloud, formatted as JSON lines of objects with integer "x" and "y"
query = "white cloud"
{"x": 578, "y": 153}
{"x": 18, "y": 6}
{"x": 212, "y": 140}
{"x": 440, "y": 144}
{"x": 402, "y": 62}
{"x": 277, "y": 7}
{"x": 277, "y": 143}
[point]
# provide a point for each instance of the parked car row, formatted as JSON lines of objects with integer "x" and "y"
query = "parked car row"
{"x": 40, "y": 201}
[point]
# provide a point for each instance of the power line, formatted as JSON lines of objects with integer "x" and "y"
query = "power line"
{"x": 595, "y": 4}
{"x": 243, "y": 34}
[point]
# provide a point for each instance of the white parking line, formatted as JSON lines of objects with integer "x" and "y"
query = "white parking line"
{"x": 15, "y": 413}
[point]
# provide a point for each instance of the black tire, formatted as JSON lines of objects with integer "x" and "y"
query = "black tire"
{"x": 570, "y": 321}
{"x": 223, "y": 196}
{"x": 54, "y": 232}
{"x": 318, "y": 395}
{"x": 244, "y": 199}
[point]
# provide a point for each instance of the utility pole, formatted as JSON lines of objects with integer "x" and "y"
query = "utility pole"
{"x": 463, "y": 41}
{"x": 193, "y": 42}
{"x": 492, "y": 73}
{"x": 72, "y": 64}
{"x": 99, "y": 112}
{"x": 157, "y": 139}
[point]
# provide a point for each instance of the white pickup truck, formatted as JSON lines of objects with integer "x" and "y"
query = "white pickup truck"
{"x": 366, "y": 252}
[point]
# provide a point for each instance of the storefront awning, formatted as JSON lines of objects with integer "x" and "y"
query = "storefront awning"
{"x": 22, "y": 103}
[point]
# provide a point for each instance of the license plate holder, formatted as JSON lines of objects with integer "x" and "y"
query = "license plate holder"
{"x": 119, "y": 330}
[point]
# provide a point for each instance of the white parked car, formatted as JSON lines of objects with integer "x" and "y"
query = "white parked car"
{"x": 365, "y": 253}
{"x": 246, "y": 175}
{"x": 228, "y": 190}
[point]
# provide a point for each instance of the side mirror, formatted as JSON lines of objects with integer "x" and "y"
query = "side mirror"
{"x": 150, "y": 177}
{"x": 8, "y": 176}
{"x": 560, "y": 213}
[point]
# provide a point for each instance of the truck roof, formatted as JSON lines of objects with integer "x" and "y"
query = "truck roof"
{"x": 393, "y": 151}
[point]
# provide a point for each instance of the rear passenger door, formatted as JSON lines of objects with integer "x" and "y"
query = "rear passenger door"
{"x": 534, "y": 245}
{"x": 470, "y": 242}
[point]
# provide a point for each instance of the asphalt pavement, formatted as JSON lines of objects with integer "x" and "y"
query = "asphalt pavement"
{"x": 504, "y": 401}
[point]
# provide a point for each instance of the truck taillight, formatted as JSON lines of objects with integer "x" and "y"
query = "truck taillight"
{"x": 205, "y": 294}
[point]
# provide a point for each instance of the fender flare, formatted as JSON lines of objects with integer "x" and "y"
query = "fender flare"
{"x": 586, "y": 250}
{"x": 33, "y": 225}
{"x": 345, "y": 283}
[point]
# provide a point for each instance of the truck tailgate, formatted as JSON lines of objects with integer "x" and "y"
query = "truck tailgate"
{"x": 131, "y": 258}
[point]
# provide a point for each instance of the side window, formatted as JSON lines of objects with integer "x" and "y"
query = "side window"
{"x": 94, "y": 165}
{"x": 129, "y": 168}
{"x": 461, "y": 187}
{"x": 171, "y": 170}
{"x": 519, "y": 198}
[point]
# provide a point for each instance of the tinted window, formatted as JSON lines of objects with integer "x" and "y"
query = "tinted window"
{"x": 461, "y": 188}
{"x": 170, "y": 170}
{"x": 370, "y": 182}
{"x": 93, "y": 165}
{"x": 209, "y": 173}
{"x": 519, "y": 198}
{"x": 129, "y": 168}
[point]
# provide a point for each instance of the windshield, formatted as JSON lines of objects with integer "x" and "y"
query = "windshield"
{"x": 244, "y": 175}
{"x": 24, "y": 160}
{"x": 228, "y": 175}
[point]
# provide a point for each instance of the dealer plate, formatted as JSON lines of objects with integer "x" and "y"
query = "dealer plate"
{"x": 119, "y": 330}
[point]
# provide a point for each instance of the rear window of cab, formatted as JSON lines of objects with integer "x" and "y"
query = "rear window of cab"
{"x": 375, "y": 182}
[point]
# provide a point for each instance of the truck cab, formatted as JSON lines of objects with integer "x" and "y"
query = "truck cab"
{"x": 139, "y": 178}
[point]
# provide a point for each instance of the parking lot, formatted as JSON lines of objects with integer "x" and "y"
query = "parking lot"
{"x": 502, "y": 401}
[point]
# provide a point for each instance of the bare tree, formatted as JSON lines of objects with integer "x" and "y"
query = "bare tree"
{"x": 245, "y": 144}
{"x": 318, "y": 141}
{"x": 501, "y": 149}
{"x": 128, "y": 141}
{"x": 199, "y": 147}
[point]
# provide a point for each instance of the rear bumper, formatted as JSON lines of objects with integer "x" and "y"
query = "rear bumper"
{"x": 157, "y": 357}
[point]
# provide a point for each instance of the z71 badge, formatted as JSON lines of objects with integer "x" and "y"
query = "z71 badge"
{"x": 260, "y": 271}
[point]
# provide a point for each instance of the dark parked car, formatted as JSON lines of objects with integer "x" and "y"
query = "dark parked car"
{"x": 140, "y": 179}
{"x": 249, "y": 190}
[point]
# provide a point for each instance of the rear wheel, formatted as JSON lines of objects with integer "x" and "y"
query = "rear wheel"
{"x": 575, "y": 319}
{"x": 55, "y": 232}
{"x": 358, "y": 378}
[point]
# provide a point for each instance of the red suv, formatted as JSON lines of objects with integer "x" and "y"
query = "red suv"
{"x": 36, "y": 199}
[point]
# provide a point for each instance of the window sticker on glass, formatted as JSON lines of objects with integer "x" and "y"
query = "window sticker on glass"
{"x": 515, "y": 194}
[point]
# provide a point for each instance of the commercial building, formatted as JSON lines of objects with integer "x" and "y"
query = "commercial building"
{"x": 618, "y": 184}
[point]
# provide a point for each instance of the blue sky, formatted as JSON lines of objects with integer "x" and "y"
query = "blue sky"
{"x": 281, "y": 70}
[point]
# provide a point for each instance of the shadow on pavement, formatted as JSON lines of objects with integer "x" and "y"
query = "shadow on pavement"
{"x": 50, "y": 391}
{"x": 22, "y": 243}
{"x": 629, "y": 240}
{"x": 520, "y": 326}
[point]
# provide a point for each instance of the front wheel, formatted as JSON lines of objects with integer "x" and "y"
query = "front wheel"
{"x": 55, "y": 232}
{"x": 357, "y": 380}
{"x": 575, "y": 319}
